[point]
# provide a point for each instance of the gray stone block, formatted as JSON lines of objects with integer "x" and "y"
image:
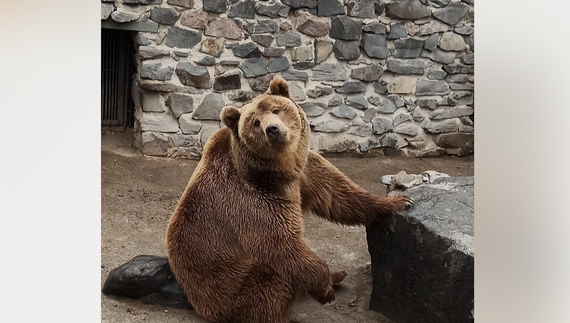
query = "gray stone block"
{"x": 313, "y": 26}
{"x": 253, "y": 67}
{"x": 375, "y": 28}
{"x": 278, "y": 64}
{"x": 343, "y": 111}
{"x": 210, "y": 108}
{"x": 387, "y": 140}
{"x": 181, "y": 3}
{"x": 352, "y": 87}
{"x": 245, "y": 9}
{"x": 407, "y": 66}
{"x": 263, "y": 40}
{"x": 408, "y": 48}
{"x": 227, "y": 82}
{"x": 397, "y": 30}
{"x": 182, "y": 38}
{"x": 360, "y": 8}
{"x": 295, "y": 76}
{"x": 164, "y": 16}
{"x": 312, "y": 109}
{"x": 300, "y": 3}
{"x": 216, "y": 6}
{"x": 409, "y": 9}
{"x": 345, "y": 28}
{"x": 423, "y": 259}
{"x": 262, "y": 27}
{"x": 156, "y": 72}
{"x": 346, "y": 50}
{"x": 289, "y": 39}
{"x": 375, "y": 46}
{"x": 329, "y": 72}
{"x": 329, "y": 126}
{"x": 382, "y": 125}
{"x": 273, "y": 10}
{"x": 247, "y": 50}
{"x": 357, "y": 101}
{"x": 180, "y": 104}
{"x": 452, "y": 13}
{"x": 431, "y": 87}
{"x": 368, "y": 73}
{"x": 328, "y": 8}
{"x": 196, "y": 76}
{"x": 273, "y": 51}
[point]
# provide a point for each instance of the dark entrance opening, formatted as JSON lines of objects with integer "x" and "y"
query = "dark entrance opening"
{"x": 117, "y": 68}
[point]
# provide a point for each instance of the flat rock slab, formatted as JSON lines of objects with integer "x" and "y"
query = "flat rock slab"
{"x": 423, "y": 260}
{"x": 148, "y": 279}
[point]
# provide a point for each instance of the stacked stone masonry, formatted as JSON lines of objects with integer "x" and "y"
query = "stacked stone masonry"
{"x": 373, "y": 76}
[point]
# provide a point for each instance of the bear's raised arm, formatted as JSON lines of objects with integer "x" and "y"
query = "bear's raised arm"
{"x": 328, "y": 193}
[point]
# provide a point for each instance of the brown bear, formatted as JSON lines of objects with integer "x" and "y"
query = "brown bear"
{"x": 235, "y": 241}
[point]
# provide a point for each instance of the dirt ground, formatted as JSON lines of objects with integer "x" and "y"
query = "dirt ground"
{"x": 138, "y": 195}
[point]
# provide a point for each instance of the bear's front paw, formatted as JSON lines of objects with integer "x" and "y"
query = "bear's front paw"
{"x": 400, "y": 203}
{"x": 337, "y": 277}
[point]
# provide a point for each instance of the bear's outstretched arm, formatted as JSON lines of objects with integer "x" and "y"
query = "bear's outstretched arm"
{"x": 328, "y": 193}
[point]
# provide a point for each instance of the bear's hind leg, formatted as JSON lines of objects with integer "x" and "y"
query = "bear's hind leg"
{"x": 264, "y": 297}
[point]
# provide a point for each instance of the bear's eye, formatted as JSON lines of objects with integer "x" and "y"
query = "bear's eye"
{"x": 275, "y": 111}
{"x": 256, "y": 123}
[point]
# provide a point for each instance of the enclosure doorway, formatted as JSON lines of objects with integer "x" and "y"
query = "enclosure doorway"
{"x": 117, "y": 69}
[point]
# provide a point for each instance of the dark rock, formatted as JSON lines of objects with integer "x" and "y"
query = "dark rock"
{"x": 242, "y": 96}
{"x": 381, "y": 125}
{"x": 436, "y": 74}
{"x": 294, "y": 76}
{"x": 180, "y": 53}
{"x": 388, "y": 140}
{"x": 363, "y": 130}
{"x": 206, "y": 61}
{"x": 329, "y": 72}
{"x": 381, "y": 87}
{"x": 345, "y": 28}
{"x": 328, "y": 8}
{"x": 180, "y": 104}
{"x": 346, "y": 50}
{"x": 156, "y": 72}
{"x": 229, "y": 63}
{"x": 429, "y": 255}
{"x": 402, "y": 117}
{"x": 443, "y": 126}
{"x": 369, "y": 114}
{"x": 379, "y": 8}
{"x": 431, "y": 42}
{"x": 360, "y": 8}
{"x": 253, "y": 67}
{"x": 458, "y": 69}
{"x": 352, "y": 87}
{"x": 196, "y": 76}
{"x": 431, "y": 87}
{"x": 427, "y": 103}
{"x": 303, "y": 65}
{"x": 375, "y": 46}
{"x": 263, "y": 40}
{"x": 408, "y": 48}
{"x": 410, "y": 105}
{"x": 368, "y": 73}
{"x": 468, "y": 59}
{"x": 436, "y": 3}
{"x": 397, "y": 30}
{"x": 247, "y": 50}
{"x": 462, "y": 86}
{"x": 289, "y": 39}
{"x": 245, "y": 9}
{"x": 330, "y": 126}
{"x": 273, "y": 51}
{"x": 453, "y": 112}
{"x": 210, "y": 108}
{"x": 455, "y": 140}
{"x": 452, "y": 13}
{"x": 409, "y": 9}
{"x": 319, "y": 91}
{"x": 302, "y": 53}
{"x": 227, "y": 82}
{"x": 225, "y": 27}
{"x": 149, "y": 279}
{"x": 312, "y": 109}
{"x": 273, "y": 10}
{"x": 375, "y": 28}
{"x": 216, "y": 6}
{"x": 464, "y": 30}
{"x": 141, "y": 39}
{"x": 260, "y": 83}
{"x": 387, "y": 106}
{"x": 357, "y": 101}
{"x": 457, "y": 78}
{"x": 122, "y": 16}
{"x": 313, "y": 26}
{"x": 278, "y": 64}
{"x": 262, "y": 27}
{"x": 375, "y": 100}
{"x": 158, "y": 86}
{"x": 407, "y": 66}
{"x": 469, "y": 40}
{"x": 165, "y": 16}
{"x": 408, "y": 130}
{"x": 438, "y": 55}
{"x": 181, "y": 3}
{"x": 300, "y": 3}
{"x": 182, "y": 38}
{"x": 343, "y": 111}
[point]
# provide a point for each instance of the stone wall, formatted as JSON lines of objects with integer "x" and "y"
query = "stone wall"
{"x": 373, "y": 76}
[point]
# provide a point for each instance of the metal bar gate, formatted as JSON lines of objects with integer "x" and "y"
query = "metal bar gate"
{"x": 117, "y": 68}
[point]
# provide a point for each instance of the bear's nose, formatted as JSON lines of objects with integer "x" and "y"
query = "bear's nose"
{"x": 272, "y": 131}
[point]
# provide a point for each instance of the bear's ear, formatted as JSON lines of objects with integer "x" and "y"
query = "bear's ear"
{"x": 230, "y": 117}
{"x": 278, "y": 86}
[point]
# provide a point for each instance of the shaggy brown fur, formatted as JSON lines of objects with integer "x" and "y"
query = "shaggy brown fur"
{"x": 235, "y": 240}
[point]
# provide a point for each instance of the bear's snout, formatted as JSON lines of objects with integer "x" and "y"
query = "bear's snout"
{"x": 272, "y": 132}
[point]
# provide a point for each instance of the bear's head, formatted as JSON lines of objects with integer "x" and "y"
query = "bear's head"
{"x": 272, "y": 126}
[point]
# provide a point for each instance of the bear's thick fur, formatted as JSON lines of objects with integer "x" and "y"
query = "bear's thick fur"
{"x": 235, "y": 240}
